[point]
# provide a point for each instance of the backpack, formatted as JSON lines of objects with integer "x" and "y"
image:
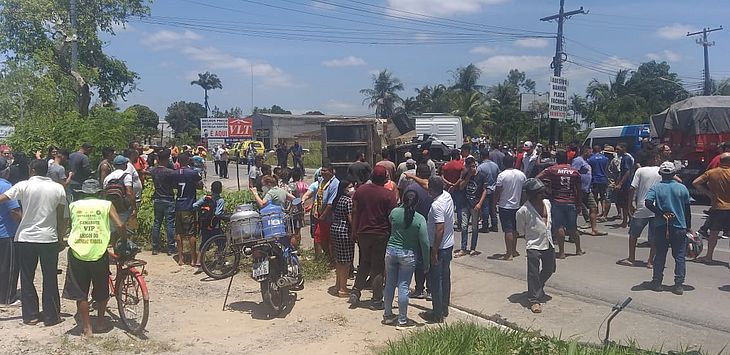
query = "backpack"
{"x": 206, "y": 214}
{"x": 116, "y": 192}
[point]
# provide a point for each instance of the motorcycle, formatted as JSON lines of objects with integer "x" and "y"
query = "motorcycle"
{"x": 276, "y": 268}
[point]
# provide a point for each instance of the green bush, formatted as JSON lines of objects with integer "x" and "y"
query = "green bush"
{"x": 104, "y": 127}
{"x": 469, "y": 338}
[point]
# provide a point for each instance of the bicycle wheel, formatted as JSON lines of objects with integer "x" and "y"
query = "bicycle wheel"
{"x": 133, "y": 301}
{"x": 219, "y": 258}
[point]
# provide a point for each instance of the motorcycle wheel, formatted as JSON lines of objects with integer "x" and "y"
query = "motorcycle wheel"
{"x": 271, "y": 294}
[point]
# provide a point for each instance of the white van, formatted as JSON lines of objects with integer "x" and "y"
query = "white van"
{"x": 444, "y": 127}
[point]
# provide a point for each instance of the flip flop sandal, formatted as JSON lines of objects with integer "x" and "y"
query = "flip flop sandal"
{"x": 598, "y": 234}
{"x": 625, "y": 262}
{"x": 33, "y": 321}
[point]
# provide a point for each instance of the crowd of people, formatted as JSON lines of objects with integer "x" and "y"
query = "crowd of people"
{"x": 402, "y": 219}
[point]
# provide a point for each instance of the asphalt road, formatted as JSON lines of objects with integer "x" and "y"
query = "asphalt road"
{"x": 596, "y": 276}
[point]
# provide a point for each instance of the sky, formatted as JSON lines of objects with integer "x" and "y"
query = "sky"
{"x": 318, "y": 54}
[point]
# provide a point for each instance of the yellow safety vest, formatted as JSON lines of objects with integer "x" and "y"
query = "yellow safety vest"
{"x": 90, "y": 229}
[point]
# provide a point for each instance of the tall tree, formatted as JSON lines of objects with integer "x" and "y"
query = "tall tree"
{"x": 384, "y": 94}
{"x": 207, "y": 82}
{"x": 232, "y": 112}
{"x": 41, "y": 30}
{"x": 146, "y": 121}
{"x": 470, "y": 106}
{"x": 184, "y": 117}
{"x": 275, "y": 109}
{"x": 466, "y": 79}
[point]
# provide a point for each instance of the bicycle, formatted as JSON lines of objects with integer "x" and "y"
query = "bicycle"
{"x": 130, "y": 290}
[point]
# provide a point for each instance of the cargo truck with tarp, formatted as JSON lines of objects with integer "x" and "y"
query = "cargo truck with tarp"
{"x": 694, "y": 128}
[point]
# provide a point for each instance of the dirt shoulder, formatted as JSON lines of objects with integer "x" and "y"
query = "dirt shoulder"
{"x": 186, "y": 317}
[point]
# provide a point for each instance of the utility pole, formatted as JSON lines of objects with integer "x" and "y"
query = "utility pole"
{"x": 560, "y": 56}
{"x": 707, "y": 90}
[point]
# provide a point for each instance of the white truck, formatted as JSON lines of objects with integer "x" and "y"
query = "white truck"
{"x": 443, "y": 127}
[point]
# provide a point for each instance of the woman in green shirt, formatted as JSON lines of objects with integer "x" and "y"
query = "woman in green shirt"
{"x": 408, "y": 236}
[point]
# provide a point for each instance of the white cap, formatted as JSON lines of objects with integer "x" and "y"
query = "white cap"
{"x": 667, "y": 168}
{"x": 528, "y": 144}
{"x": 408, "y": 155}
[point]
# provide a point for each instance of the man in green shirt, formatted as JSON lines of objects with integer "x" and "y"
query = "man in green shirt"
{"x": 88, "y": 260}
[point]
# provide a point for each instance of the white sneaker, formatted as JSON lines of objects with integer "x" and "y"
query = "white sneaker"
{"x": 14, "y": 304}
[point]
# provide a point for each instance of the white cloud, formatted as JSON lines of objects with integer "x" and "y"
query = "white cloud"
{"x": 350, "y": 61}
{"x": 532, "y": 42}
{"x": 438, "y": 7}
{"x": 169, "y": 39}
{"x": 483, "y": 50}
{"x": 665, "y": 55}
{"x": 213, "y": 58}
{"x": 502, "y": 64}
{"x": 674, "y": 31}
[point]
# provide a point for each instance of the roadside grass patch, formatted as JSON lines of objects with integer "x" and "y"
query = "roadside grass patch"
{"x": 114, "y": 345}
{"x": 314, "y": 267}
{"x": 470, "y": 338}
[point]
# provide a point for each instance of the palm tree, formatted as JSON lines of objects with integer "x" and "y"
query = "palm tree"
{"x": 207, "y": 81}
{"x": 466, "y": 78}
{"x": 383, "y": 96}
{"x": 473, "y": 112}
{"x": 723, "y": 88}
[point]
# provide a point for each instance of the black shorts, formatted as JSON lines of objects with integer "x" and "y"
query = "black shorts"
{"x": 80, "y": 275}
{"x": 599, "y": 191}
{"x": 719, "y": 220}
{"x": 508, "y": 217}
{"x": 622, "y": 198}
{"x": 185, "y": 223}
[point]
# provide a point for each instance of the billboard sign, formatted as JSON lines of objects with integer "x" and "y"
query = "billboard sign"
{"x": 212, "y": 127}
{"x": 558, "y": 97}
{"x": 240, "y": 128}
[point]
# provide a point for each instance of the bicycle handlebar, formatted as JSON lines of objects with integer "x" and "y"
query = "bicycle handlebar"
{"x": 626, "y": 303}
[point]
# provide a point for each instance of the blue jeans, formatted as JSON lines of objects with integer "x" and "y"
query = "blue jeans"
{"x": 467, "y": 213}
{"x": 487, "y": 213}
{"x": 459, "y": 202}
{"x": 440, "y": 275}
{"x": 399, "y": 267}
{"x": 164, "y": 209}
{"x": 677, "y": 239}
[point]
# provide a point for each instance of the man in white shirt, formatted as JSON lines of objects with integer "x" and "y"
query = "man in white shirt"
{"x": 508, "y": 196}
{"x": 441, "y": 237}
{"x": 122, "y": 172}
{"x": 44, "y": 204}
{"x": 534, "y": 221}
{"x": 644, "y": 178}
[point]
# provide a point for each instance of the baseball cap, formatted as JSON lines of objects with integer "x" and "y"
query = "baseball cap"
{"x": 667, "y": 168}
{"x": 380, "y": 172}
{"x": 527, "y": 145}
{"x": 120, "y": 159}
{"x": 408, "y": 155}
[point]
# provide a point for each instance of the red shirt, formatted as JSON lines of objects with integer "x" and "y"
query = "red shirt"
{"x": 715, "y": 162}
{"x": 518, "y": 160}
{"x": 451, "y": 171}
{"x": 374, "y": 203}
{"x": 564, "y": 181}
{"x": 572, "y": 154}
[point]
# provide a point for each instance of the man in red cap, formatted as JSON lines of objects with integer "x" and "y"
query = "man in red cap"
{"x": 371, "y": 206}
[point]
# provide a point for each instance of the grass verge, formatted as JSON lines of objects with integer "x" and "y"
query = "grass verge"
{"x": 469, "y": 338}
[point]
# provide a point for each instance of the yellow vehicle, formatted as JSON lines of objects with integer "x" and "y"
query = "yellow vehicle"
{"x": 240, "y": 149}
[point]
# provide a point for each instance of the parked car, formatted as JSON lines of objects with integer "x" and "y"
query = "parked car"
{"x": 240, "y": 150}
